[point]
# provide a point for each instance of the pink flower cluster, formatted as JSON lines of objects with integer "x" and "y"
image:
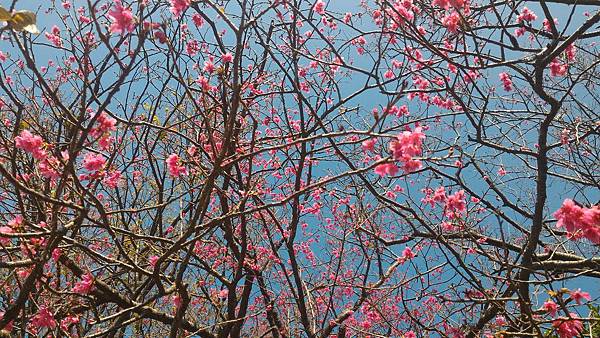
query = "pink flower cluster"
{"x": 43, "y": 318}
{"x": 408, "y": 145}
{"x": 400, "y": 12}
{"x": 175, "y": 169}
{"x": 456, "y": 203}
{"x": 319, "y": 7}
{"x": 506, "y": 81}
{"x": 578, "y": 296}
{"x": 31, "y": 144}
{"x": 93, "y": 162}
{"x": 550, "y": 307}
{"x": 179, "y": 6}
{"x": 455, "y": 206}
{"x": 227, "y": 58}
{"x": 122, "y": 19}
{"x": 386, "y": 169}
{"x": 104, "y": 125}
{"x": 113, "y": 179}
{"x": 34, "y": 145}
{"x": 450, "y": 21}
{"x": 54, "y": 36}
{"x": 407, "y": 254}
{"x": 568, "y": 327}
{"x": 13, "y": 225}
{"x": 526, "y": 15}
{"x": 558, "y": 68}
{"x": 579, "y": 221}
{"x": 446, "y": 4}
{"x": 369, "y": 145}
{"x": 85, "y": 286}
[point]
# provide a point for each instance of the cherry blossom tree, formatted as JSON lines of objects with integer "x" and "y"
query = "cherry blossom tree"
{"x": 293, "y": 168}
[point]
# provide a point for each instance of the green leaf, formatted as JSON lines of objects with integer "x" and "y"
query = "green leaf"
{"x": 550, "y": 334}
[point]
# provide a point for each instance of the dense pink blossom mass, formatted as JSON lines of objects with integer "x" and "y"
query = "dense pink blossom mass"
{"x": 30, "y": 143}
{"x": 122, "y": 18}
{"x": 175, "y": 169}
{"x": 179, "y": 6}
{"x": 579, "y": 221}
{"x": 305, "y": 168}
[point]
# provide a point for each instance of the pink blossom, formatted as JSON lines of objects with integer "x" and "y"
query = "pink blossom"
{"x": 160, "y": 36}
{"x": 445, "y": 4}
{"x": 85, "y": 286}
{"x": 408, "y": 144}
{"x": 450, "y": 21}
{"x": 319, "y": 7}
{"x": 177, "y": 301}
{"x": 441, "y": 3}
{"x": 226, "y": 58}
{"x": 369, "y": 145}
{"x": 93, "y": 162}
{"x": 113, "y": 179}
{"x": 198, "y": 20}
{"x": 175, "y": 170}
{"x": 506, "y": 81}
{"x": 520, "y": 31}
{"x": 31, "y": 144}
{"x": 192, "y": 47}
{"x": 347, "y": 18}
{"x": 557, "y": 68}
{"x": 54, "y": 36}
{"x": 568, "y": 327}
{"x": 66, "y": 322}
{"x": 410, "y": 334}
{"x": 569, "y": 215}
{"x": 591, "y": 219}
{"x": 56, "y": 254}
{"x": 104, "y": 124}
{"x": 550, "y": 307}
{"x": 547, "y": 26}
{"x": 5, "y": 230}
{"x": 570, "y": 52}
{"x": 579, "y": 221}
{"x": 386, "y": 169}
{"x": 526, "y": 15}
{"x": 456, "y": 203}
{"x": 43, "y": 319}
{"x": 16, "y": 222}
{"x": 209, "y": 67}
{"x": 457, "y": 3}
{"x": 122, "y": 19}
{"x": 407, "y": 253}
{"x": 152, "y": 260}
{"x": 49, "y": 167}
{"x": 578, "y": 296}
{"x": 412, "y": 165}
{"x": 440, "y": 195}
{"x": 179, "y": 6}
